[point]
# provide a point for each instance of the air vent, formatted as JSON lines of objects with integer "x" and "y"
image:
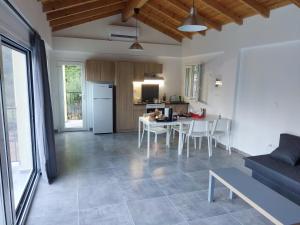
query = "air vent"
{"x": 122, "y": 33}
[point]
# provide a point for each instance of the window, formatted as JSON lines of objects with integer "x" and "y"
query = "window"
{"x": 18, "y": 145}
{"x": 195, "y": 83}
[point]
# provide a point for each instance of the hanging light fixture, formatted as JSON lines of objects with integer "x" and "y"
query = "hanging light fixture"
{"x": 136, "y": 46}
{"x": 193, "y": 23}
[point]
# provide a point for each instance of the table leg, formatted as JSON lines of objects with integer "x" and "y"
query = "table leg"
{"x": 211, "y": 188}
{"x": 168, "y": 137}
{"x": 148, "y": 141}
{"x": 180, "y": 140}
{"x": 231, "y": 195}
{"x": 139, "y": 135}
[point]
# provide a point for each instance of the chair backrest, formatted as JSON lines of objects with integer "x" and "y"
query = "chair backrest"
{"x": 198, "y": 126}
{"x": 223, "y": 125}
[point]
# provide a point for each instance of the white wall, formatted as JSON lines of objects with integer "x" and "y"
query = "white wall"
{"x": 268, "y": 96}
{"x": 256, "y": 31}
{"x": 32, "y": 11}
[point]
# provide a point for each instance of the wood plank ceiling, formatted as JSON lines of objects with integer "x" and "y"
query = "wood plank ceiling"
{"x": 163, "y": 15}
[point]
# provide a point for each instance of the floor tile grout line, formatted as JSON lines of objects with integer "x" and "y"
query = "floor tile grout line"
{"x": 176, "y": 208}
{"x": 78, "y": 212}
{"x": 129, "y": 213}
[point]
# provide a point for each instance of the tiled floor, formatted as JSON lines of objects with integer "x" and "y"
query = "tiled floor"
{"x": 106, "y": 180}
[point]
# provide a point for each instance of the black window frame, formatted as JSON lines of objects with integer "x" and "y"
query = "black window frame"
{"x": 25, "y": 199}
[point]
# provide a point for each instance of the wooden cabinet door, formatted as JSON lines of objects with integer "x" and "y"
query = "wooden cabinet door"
{"x": 93, "y": 70}
{"x": 158, "y": 68}
{"x": 138, "y": 110}
{"x": 153, "y": 68}
{"x": 139, "y": 71}
{"x": 107, "y": 71}
{"x": 124, "y": 95}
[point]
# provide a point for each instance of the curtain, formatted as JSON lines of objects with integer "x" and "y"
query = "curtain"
{"x": 43, "y": 110}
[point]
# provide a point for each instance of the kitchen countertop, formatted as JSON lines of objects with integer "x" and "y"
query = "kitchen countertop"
{"x": 167, "y": 103}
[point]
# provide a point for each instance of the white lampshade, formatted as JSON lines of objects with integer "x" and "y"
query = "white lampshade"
{"x": 193, "y": 23}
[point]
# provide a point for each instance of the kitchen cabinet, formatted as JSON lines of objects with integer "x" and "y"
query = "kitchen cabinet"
{"x": 124, "y": 96}
{"x": 142, "y": 68}
{"x": 93, "y": 70}
{"x": 153, "y": 68}
{"x": 107, "y": 71}
{"x": 138, "y": 110}
{"x": 100, "y": 71}
{"x": 139, "y": 71}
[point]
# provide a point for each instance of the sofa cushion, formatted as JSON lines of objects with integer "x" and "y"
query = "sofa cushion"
{"x": 287, "y": 155}
{"x": 286, "y": 176}
{"x": 288, "y": 150}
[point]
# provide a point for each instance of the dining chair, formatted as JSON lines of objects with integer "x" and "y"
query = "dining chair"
{"x": 222, "y": 129}
{"x": 156, "y": 130}
{"x": 198, "y": 129}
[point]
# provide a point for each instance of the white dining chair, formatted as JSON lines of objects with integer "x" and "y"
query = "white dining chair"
{"x": 157, "y": 130}
{"x": 222, "y": 129}
{"x": 198, "y": 129}
{"x": 176, "y": 128}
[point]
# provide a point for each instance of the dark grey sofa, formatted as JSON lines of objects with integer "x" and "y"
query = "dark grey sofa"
{"x": 277, "y": 174}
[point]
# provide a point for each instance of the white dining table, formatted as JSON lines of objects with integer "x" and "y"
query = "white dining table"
{"x": 145, "y": 120}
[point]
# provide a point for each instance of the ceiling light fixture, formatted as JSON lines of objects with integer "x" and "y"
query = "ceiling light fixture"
{"x": 136, "y": 46}
{"x": 193, "y": 23}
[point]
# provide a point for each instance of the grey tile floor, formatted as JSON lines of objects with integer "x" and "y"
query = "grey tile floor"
{"x": 106, "y": 180}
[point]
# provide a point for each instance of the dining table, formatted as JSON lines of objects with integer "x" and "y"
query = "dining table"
{"x": 181, "y": 121}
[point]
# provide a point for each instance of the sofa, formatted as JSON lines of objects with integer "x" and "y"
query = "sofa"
{"x": 280, "y": 170}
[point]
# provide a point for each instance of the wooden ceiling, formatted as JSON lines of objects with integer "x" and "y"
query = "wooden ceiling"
{"x": 163, "y": 15}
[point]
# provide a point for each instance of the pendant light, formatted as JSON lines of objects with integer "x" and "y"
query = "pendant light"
{"x": 193, "y": 23}
{"x": 136, "y": 46}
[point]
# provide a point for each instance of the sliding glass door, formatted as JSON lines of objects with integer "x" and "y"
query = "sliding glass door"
{"x": 20, "y": 167}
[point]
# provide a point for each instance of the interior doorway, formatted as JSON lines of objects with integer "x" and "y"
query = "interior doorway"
{"x": 73, "y": 103}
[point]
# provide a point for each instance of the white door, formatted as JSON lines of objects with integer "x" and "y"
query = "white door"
{"x": 72, "y": 96}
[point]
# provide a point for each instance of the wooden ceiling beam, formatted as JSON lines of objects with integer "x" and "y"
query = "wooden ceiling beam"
{"x": 223, "y": 10}
{"x": 185, "y": 9}
{"x": 61, "y": 4}
{"x": 259, "y": 8}
{"x": 164, "y": 20}
{"x": 81, "y": 8}
{"x": 157, "y": 26}
{"x": 85, "y": 20}
{"x": 130, "y": 6}
{"x": 296, "y": 2}
{"x": 175, "y": 19}
{"x": 168, "y": 13}
{"x": 87, "y": 14}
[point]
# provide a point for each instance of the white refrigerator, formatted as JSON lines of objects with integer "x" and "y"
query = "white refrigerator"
{"x": 102, "y": 108}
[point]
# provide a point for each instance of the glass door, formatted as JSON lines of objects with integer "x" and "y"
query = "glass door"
{"x": 73, "y": 97}
{"x": 17, "y": 124}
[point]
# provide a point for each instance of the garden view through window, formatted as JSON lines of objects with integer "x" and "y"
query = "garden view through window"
{"x": 72, "y": 76}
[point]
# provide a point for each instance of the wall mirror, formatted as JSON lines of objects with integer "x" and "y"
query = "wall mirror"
{"x": 196, "y": 84}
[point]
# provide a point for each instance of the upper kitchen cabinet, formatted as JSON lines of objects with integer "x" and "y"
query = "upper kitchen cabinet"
{"x": 107, "y": 71}
{"x": 153, "y": 68}
{"x": 93, "y": 70}
{"x": 142, "y": 68}
{"x": 139, "y": 71}
{"x": 100, "y": 71}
